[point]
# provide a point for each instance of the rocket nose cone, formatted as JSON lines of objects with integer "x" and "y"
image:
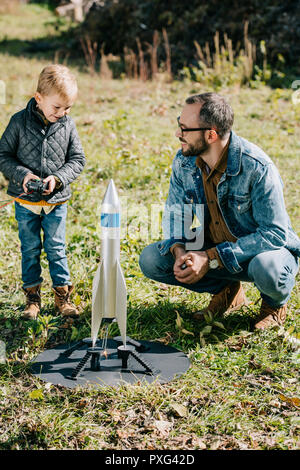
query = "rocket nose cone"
{"x": 111, "y": 196}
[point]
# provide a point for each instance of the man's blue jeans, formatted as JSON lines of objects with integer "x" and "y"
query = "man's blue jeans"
{"x": 272, "y": 272}
{"x": 53, "y": 226}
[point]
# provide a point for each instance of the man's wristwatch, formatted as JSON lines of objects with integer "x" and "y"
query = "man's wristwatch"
{"x": 212, "y": 260}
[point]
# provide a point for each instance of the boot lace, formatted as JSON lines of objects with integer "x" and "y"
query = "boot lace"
{"x": 32, "y": 298}
{"x": 63, "y": 298}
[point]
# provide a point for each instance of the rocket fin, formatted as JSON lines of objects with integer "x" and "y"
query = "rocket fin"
{"x": 121, "y": 301}
{"x": 97, "y": 301}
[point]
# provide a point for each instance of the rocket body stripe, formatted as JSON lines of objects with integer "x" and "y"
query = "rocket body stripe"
{"x": 110, "y": 220}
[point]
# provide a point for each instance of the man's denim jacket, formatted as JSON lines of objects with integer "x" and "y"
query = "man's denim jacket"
{"x": 250, "y": 197}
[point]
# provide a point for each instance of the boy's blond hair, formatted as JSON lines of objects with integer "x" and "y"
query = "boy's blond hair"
{"x": 56, "y": 78}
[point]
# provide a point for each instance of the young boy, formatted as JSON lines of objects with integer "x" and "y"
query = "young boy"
{"x": 41, "y": 143}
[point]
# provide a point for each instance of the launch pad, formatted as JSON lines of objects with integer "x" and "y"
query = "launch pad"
{"x": 78, "y": 364}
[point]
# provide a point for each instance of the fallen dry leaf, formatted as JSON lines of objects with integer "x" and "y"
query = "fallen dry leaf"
{"x": 295, "y": 401}
{"x": 163, "y": 427}
{"x": 216, "y": 443}
{"x": 186, "y": 332}
{"x": 198, "y": 443}
{"x": 122, "y": 434}
{"x": 180, "y": 410}
{"x": 82, "y": 404}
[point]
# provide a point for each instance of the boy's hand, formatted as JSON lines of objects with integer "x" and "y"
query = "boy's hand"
{"x": 28, "y": 177}
{"x": 51, "y": 184}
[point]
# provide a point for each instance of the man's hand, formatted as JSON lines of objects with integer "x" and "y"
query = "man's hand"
{"x": 178, "y": 252}
{"x": 197, "y": 265}
{"x": 28, "y": 177}
{"x": 51, "y": 184}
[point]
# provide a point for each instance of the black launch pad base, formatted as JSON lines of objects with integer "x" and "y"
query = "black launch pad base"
{"x": 145, "y": 361}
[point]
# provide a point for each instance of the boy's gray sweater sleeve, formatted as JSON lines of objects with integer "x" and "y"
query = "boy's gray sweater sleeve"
{"x": 10, "y": 166}
{"x": 75, "y": 159}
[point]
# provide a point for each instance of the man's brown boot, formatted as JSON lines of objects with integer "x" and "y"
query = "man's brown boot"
{"x": 230, "y": 298}
{"x": 62, "y": 301}
{"x": 270, "y": 316}
{"x": 33, "y": 302}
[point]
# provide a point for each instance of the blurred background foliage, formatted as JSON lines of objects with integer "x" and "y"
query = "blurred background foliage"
{"x": 247, "y": 42}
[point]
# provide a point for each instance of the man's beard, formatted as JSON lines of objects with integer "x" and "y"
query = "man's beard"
{"x": 195, "y": 150}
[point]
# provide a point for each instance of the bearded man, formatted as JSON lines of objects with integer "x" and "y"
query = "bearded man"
{"x": 245, "y": 233}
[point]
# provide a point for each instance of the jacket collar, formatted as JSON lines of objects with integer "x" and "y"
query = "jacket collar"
{"x": 34, "y": 119}
{"x": 234, "y": 155}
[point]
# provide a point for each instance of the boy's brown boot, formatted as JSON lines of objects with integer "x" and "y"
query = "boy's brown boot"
{"x": 230, "y": 298}
{"x": 270, "y": 316}
{"x": 62, "y": 301}
{"x": 33, "y": 302}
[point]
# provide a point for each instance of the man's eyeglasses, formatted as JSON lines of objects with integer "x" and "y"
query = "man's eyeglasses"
{"x": 193, "y": 129}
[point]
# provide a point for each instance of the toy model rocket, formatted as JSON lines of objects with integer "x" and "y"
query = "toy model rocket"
{"x": 109, "y": 298}
{"x": 110, "y": 361}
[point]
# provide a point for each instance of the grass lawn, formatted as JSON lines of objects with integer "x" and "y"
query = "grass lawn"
{"x": 241, "y": 391}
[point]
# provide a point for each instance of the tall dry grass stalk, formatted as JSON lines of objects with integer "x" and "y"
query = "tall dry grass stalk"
{"x": 208, "y": 56}
{"x": 143, "y": 69}
{"x": 61, "y": 56}
{"x": 90, "y": 50}
{"x": 216, "y": 56}
{"x": 228, "y": 45}
{"x": 144, "y": 65}
{"x": 131, "y": 63}
{"x": 168, "y": 54}
{"x": 248, "y": 53}
{"x": 224, "y": 54}
{"x": 152, "y": 50}
{"x": 105, "y": 71}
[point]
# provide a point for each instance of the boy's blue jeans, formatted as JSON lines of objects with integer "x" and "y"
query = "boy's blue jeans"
{"x": 53, "y": 226}
{"x": 272, "y": 272}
